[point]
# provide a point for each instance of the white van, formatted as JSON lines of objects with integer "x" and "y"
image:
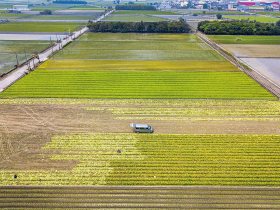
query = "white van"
{"x": 142, "y": 128}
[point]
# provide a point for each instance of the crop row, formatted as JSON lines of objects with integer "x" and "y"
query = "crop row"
{"x": 196, "y": 111}
{"x": 137, "y": 65}
{"x": 158, "y": 159}
{"x": 151, "y": 103}
{"x": 137, "y": 84}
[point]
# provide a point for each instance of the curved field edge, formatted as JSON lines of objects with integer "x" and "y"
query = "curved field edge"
{"x": 137, "y": 85}
{"x": 137, "y": 65}
{"x": 158, "y": 159}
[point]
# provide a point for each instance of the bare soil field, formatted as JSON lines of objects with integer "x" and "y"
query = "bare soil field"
{"x": 249, "y": 50}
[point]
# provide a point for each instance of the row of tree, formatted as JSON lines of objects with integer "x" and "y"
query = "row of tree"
{"x": 140, "y": 27}
{"x": 239, "y": 28}
{"x": 135, "y": 7}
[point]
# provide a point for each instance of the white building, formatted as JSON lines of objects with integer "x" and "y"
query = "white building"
{"x": 21, "y": 7}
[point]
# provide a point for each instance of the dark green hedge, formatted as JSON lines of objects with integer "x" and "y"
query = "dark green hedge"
{"x": 140, "y": 27}
{"x": 238, "y": 28}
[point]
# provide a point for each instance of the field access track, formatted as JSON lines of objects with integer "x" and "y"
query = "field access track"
{"x": 102, "y": 197}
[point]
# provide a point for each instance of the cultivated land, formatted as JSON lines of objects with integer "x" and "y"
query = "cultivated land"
{"x": 142, "y": 12}
{"x": 257, "y": 40}
{"x": 137, "y": 84}
{"x": 63, "y": 17}
{"x": 132, "y": 18}
{"x": 64, "y": 155}
{"x": 61, "y": 82}
{"x": 251, "y": 50}
{"x": 52, "y": 141}
{"x": 124, "y": 197}
{"x": 38, "y": 27}
{"x": 252, "y": 18}
{"x": 9, "y": 48}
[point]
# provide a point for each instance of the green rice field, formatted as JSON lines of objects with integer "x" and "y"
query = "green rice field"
{"x": 231, "y": 39}
{"x": 63, "y": 17}
{"x": 158, "y": 159}
{"x": 252, "y": 18}
{"x": 9, "y": 48}
{"x": 137, "y": 85}
{"x": 12, "y": 16}
{"x": 268, "y": 13}
{"x": 136, "y": 69}
{"x": 87, "y": 8}
{"x": 38, "y": 27}
{"x": 142, "y": 12}
{"x": 133, "y": 18}
{"x": 153, "y": 47}
{"x": 48, "y": 8}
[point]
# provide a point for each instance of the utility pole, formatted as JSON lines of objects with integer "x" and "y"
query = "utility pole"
{"x": 17, "y": 59}
{"x": 28, "y": 64}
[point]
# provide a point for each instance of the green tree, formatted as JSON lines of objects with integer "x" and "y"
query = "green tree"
{"x": 46, "y": 12}
{"x": 219, "y": 16}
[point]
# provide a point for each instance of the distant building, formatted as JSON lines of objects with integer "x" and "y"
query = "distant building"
{"x": 20, "y": 7}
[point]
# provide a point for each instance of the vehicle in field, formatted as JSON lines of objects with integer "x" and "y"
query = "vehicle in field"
{"x": 142, "y": 128}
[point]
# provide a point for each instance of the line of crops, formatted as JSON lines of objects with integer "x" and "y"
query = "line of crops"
{"x": 199, "y": 111}
{"x": 75, "y": 197}
{"x": 159, "y": 159}
{"x": 137, "y": 65}
{"x": 137, "y": 84}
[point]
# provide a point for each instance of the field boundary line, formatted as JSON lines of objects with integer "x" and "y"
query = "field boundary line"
{"x": 252, "y": 73}
{"x": 136, "y": 187}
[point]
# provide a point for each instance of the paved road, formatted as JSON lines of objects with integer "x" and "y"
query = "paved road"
{"x": 21, "y": 72}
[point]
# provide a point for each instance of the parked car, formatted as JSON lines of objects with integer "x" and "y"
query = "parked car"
{"x": 142, "y": 128}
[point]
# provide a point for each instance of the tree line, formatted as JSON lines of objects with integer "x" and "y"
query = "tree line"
{"x": 135, "y": 7}
{"x": 239, "y": 28}
{"x": 140, "y": 27}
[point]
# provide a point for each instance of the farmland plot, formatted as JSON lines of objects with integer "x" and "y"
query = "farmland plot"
{"x": 159, "y": 159}
{"x": 128, "y": 47}
{"x": 137, "y": 84}
{"x": 9, "y": 48}
{"x": 38, "y": 27}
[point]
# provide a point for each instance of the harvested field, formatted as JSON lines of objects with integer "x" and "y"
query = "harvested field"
{"x": 246, "y": 50}
{"x": 111, "y": 116}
